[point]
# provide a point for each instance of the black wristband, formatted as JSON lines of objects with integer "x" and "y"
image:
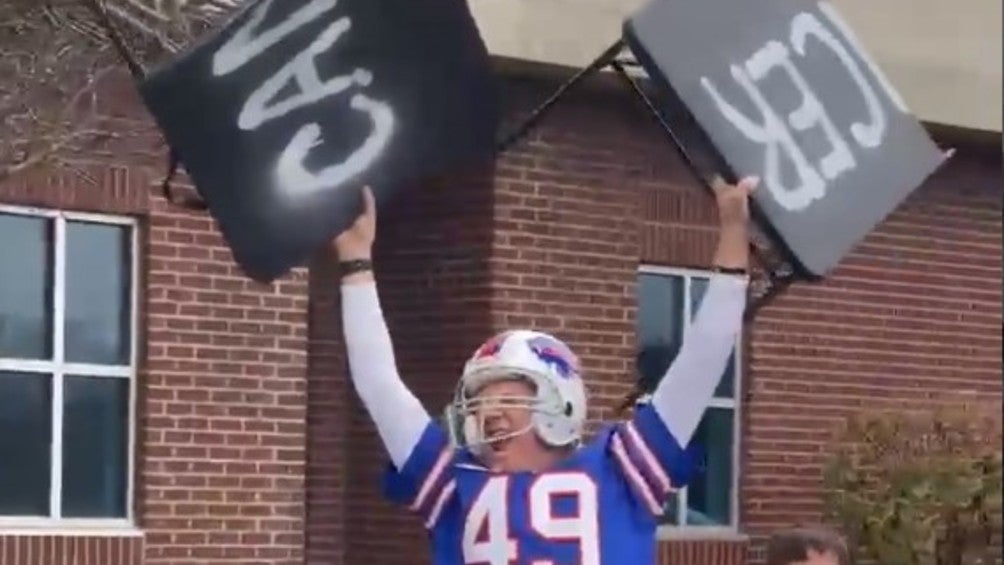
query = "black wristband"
{"x": 729, "y": 270}
{"x": 355, "y": 266}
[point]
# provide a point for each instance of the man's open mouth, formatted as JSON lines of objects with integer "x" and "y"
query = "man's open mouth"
{"x": 497, "y": 440}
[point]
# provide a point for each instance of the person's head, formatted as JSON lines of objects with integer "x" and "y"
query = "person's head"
{"x": 807, "y": 546}
{"x": 520, "y": 404}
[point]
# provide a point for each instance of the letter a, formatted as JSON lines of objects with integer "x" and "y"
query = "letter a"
{"x": 301, "y": 69}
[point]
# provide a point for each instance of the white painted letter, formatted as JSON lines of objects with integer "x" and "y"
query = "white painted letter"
{"x": 773, "y": 135}
{"x": 810, "y": 114}
{"x": 867, "y": 135}
{"x": 301, "y": 69}
{"x": 242, "y": 47}
{"x": 293, "y": 176}
{"x": 851, "y": 38}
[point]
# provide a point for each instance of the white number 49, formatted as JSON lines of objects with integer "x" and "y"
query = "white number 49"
{"x": 490, "y": 513}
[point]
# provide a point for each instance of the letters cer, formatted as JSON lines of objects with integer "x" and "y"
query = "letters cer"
{"x": 773, "y": 132}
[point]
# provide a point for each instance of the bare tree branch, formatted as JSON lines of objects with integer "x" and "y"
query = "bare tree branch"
{"x": 55, "y": 55}
{"x": 76, "y": 129}
{"x": 49, "y": 153}
{"x": 145, "y": 28}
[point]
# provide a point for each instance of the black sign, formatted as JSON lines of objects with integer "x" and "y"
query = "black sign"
{"x": 281, "y": 116}
{"x": 783, "y": 90}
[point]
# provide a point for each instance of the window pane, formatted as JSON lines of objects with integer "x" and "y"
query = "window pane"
{"x": 709, "y": 495}
{"x": 25, "y": 291}
{"x": 726, "y": 386}
{"x": 659, "y": 328}
{"x": 698, "y": 286}
{"x": 97, "y": 293}
{"x": 95, "y": 448}
{"x": 25, "y": 426}
{"x": 671, "y": 515}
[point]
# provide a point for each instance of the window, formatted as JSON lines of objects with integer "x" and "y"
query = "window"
{"x": 667, "y": 298}
{"x": 67, "y": 367}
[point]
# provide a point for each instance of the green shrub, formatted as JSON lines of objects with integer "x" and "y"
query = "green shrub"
{"x": 919, "y": 488}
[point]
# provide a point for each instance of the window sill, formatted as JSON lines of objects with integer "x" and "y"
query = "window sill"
{"x": 68, "y": 528}
{"x": 692, "y": 533}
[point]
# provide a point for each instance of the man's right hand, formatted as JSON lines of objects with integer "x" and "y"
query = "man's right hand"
{"x": 356, "y": 242}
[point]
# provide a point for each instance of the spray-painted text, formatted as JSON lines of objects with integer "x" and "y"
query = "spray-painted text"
{"x": 775, "y": 133}
{"x": 293, "y": 177}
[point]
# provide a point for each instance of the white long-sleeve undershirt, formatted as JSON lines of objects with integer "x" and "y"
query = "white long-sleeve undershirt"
{"x": 684, "y": 393}
{"x": 680, "y": 398}
{"x": 399, "y": 416}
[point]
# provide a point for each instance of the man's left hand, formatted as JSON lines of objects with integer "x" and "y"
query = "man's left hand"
{"x": 733, "y": 200}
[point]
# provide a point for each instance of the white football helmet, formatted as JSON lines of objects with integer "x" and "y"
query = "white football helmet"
{"x": 558, "y": 406}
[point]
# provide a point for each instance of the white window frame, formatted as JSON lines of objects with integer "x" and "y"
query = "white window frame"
{"x": 683, "y": 530}
{"x": 58, "y": 368}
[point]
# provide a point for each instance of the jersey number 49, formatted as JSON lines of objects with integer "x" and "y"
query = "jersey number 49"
{"x": 490, "y": 514}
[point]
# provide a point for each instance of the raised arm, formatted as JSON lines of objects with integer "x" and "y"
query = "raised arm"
{"x": 653, "y": 448}
{"x": 400, "y": 418}
{"x": 684, "y": 393}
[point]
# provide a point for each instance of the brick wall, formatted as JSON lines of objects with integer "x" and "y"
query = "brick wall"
{"x": 328, "y": 407}
{"x": 221, "y": 444}
{"x": 911, "y": 316}
{"x": 557, "y": 231}
{"x": 566, "y": 242}
{"x": 285, "y": 467}
{"x": 75, "y": 550}
{"x": 223, "y": 426}
{"x": 597, "y": 182}
{"x": 593, "y": 191}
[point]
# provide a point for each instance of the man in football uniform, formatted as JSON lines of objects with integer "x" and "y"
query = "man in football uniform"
{"x": 509, "y": 478}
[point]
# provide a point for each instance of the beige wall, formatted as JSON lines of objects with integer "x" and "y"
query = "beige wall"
{"x": 944, "y": 57}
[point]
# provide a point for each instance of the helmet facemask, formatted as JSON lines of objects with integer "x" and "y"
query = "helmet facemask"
{"x": 467, "y": 415}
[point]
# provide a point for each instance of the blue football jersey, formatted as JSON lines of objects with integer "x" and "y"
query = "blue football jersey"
{"x": 600, "y": 506}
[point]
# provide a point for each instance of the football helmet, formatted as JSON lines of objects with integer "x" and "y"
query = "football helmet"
{"x": 558, "y": 406}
